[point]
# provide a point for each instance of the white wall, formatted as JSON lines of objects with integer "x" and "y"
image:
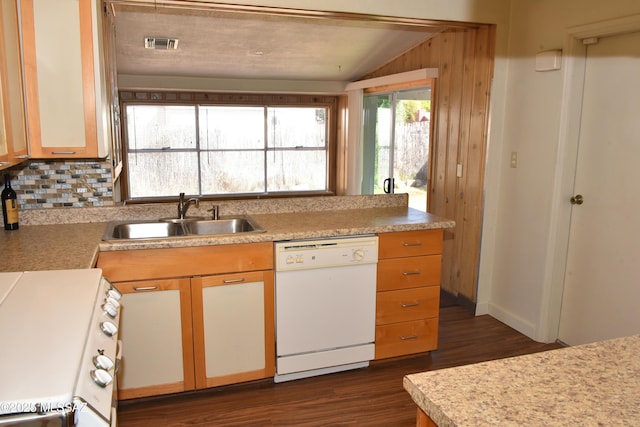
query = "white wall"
{"x": 516, "y": 278}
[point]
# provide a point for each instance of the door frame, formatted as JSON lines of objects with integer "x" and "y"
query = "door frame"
{"x": 564, "y": 175}
{"x": 392, "y": 92}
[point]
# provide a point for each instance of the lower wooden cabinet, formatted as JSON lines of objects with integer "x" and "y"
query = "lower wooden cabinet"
{"x": 157, "y": 338}
{"x": 407, "y": 304}
{"x": 408, "y": 297}
{"x": 397, "y": 339}
{"x": 196, "y": 331}
{"x": 233, "y": 328}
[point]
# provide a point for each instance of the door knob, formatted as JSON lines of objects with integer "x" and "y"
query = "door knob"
{"x": 577, "y": 199}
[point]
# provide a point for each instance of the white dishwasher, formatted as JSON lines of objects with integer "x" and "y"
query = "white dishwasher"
{"x": 325, "y": 305}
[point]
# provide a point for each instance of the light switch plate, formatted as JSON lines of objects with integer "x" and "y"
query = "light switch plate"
{"x": 549, "y": 60}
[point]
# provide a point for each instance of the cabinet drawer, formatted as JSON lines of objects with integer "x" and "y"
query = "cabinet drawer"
{"x": 409, "y": 243}
{"x": 403, "y": 338}
{"x": 412, "y": 272}
{"x": 407, "y": 304}
{"x": 190, "y": 261}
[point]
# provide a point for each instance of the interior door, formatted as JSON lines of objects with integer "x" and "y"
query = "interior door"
{"x": 602, "y": 277}
{"x": 396, "y": 138}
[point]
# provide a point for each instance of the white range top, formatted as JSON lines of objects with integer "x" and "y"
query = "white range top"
{"x": 7, "y": 282}
{"x": 44, "y": 321}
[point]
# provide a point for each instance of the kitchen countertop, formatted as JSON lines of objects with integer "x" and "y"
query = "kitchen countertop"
{"x": 304, "y": 225}
{"x": 76, "y": 245}
{"x": 591, "y": 385}
{"x": 50, "y": 247}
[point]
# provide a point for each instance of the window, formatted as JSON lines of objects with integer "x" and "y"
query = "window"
{"x": 227, "y": 149}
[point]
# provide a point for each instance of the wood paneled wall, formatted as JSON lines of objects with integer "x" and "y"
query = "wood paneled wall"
{"x": 460, "y": 111}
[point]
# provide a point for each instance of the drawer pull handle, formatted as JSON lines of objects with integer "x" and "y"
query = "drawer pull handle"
{"x": 145, "y": 288}
{"x": 410, "y": 273}
{"x": 410, "y": 337}
{"x": 410, "y": 304}
{"x": 413, "y": 244}
{"x": 240, "y": 280}
{"x": 63, "y": 152}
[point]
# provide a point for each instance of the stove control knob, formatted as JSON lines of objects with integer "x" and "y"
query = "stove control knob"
{"x": 114, "y": 302}
{"x": 102, "y": 362}
{"x": 109, "y": 328}
{"x": 101, "y": 377}
{"x": 358, "y": 254}
{"x": 114, "y": 293}
{"x": 110, "y": 309}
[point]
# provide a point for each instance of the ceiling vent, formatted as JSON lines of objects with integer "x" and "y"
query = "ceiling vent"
{"x": 160, "y": 43}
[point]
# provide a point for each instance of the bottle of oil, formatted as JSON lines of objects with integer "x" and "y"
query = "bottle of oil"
{"x": 9, "y": 205}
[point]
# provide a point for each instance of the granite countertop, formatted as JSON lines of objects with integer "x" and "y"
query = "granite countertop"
{"x": 591, "y": 385}
{"x": 50, "y": 247}
{"x": 304, "y": 225}
{"x": 70, "y": 245}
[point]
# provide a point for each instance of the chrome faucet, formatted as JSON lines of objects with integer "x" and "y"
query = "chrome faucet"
{"x": 215, "y": 212}
{"x": 183, "y": 206}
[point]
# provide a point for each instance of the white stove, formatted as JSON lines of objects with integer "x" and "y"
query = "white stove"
{"x": 59, "y": 355}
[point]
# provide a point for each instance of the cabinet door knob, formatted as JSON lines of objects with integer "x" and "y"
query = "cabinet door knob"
{"x": 577, "y": 199}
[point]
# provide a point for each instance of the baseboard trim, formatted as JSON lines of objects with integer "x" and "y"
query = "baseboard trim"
{"x": 513, "y": 321}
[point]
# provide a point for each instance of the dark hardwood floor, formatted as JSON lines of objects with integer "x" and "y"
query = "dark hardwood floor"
{"x": 371, "y": 396}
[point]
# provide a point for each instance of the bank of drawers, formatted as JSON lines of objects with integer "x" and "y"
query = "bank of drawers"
{"x": 408, "y": 297}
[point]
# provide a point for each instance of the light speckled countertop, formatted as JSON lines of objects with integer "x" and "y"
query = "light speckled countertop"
{"x": 55, "y": 239}
{"x": 591, "y": 385}
{"x": 50, "y": 247}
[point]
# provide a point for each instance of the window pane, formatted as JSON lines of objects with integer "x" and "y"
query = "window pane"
{"x": 227, "y": 172}
{"x": 161, "y": 127}
{"x": 162, "y": 174}
{"x": 230, "y": 127}
{"x": 297, "y": 170}
{"x": 296, "y": 127}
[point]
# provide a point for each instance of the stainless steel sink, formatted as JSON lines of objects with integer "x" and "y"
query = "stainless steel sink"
{"x": 221, "y": 226}
{"x": 183, "y": 220}
{"x": 163, "y": 229}
{"x": 143, "y": 230}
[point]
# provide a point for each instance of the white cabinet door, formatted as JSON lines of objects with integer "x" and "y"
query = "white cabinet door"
{"x": 64, "y": 79}
{"x": 157, "y": 342}
{"x": 233, "y": 328}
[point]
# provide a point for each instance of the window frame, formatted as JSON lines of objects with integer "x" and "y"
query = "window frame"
{"x": 330, "y": 102}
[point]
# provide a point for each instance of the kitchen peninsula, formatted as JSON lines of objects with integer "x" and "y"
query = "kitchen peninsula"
{"x": 591, "y": 385}
{"x": 180, "y": 278}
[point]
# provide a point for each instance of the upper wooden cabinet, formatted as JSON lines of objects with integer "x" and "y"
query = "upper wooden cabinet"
{"x": 13, "y": 141}
{"x": 64, "y": 78}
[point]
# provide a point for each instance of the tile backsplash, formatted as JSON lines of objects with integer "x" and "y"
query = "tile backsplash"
{"x": 63, "y": 183}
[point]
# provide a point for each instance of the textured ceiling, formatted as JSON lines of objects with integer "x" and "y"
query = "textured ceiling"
{"x": 248, "y": 45}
